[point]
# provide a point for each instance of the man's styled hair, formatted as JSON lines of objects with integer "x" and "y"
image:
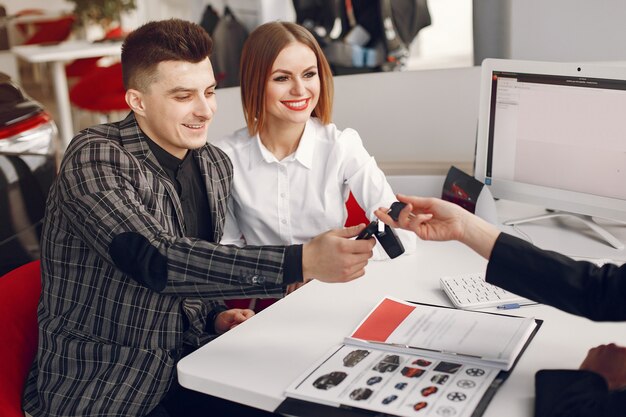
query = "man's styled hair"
{"x": 155, "y": 42}
{"x": 259, "y": 53}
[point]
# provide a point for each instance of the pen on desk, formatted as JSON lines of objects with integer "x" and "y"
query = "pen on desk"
{"x": 513, "y": 306}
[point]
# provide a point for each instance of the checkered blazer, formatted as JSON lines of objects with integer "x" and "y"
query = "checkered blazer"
{"x": 107, "y": 345}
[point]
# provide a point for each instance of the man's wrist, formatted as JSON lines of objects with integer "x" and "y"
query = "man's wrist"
{"x": 212, "y": 316}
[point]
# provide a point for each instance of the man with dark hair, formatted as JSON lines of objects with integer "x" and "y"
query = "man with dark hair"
{"x": 131, "y": 271}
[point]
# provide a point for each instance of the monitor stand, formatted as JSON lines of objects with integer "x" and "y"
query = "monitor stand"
{"x": 588, "y": 220}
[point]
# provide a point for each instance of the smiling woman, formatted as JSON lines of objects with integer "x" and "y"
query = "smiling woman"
{"x": 293, "y": 168}
{"x": 291, "y": 94}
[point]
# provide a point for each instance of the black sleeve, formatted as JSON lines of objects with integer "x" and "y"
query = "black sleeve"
{"x": 576, "y": 287}
{"x": 133, "y": 254}
{"x": 210, "y": 320}
{"x": 574, "y": 393}
{"x": 293, "y": 265}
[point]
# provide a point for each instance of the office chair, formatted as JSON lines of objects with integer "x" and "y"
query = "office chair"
{"x": 101, "y": 92}
{"x": 83, "y": 66}
{"x": 48, "y": 31}
{"x": 24, "y": 29}
{"x": 19, "y": 295}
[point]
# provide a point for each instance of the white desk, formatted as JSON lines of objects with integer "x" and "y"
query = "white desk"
{"x": 58, "y": 55}
{"x": 254, "y": 363}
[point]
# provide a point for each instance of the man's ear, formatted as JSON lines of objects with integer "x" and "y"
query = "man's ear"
{"x": 134, "y": 99}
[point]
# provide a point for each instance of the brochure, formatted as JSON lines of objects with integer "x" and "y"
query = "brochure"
{"x": 408, "y": 359}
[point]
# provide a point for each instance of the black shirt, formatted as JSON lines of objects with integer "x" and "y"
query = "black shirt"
{"x": 134, "y": 254}
{"x": 187, "y": 179}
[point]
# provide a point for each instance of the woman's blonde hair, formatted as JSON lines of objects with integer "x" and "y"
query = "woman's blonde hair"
{"x": 259, "y": 53}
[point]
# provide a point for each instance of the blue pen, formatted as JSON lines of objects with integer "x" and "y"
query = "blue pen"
{"x": 508, "y": 306}
{"x": 513, "y": 306}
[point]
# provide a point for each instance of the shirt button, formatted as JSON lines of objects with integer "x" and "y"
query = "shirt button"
{"x": 282, "y": 195}
{"x": 283, "y": 221}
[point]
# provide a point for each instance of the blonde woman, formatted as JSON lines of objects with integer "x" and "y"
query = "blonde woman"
{"x": 293, "y": 168}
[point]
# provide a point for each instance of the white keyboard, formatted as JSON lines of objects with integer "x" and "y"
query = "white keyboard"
{"x": 471, "y": 291}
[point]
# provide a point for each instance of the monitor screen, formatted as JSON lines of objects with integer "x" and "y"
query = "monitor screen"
{"x": 554, "y": 134}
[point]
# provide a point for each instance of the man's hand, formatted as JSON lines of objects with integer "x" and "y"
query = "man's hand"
{"x": 292, "y": 287}
{"x": 334, "y": 257}
{"x": 608, "y": 361}
{"x": 230, "y": 319}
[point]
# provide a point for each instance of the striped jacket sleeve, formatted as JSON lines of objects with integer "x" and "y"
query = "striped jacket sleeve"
{"x": 109, "y": 192}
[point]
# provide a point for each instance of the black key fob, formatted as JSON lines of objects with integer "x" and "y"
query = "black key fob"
{"x": 370, "y": 231}
{"x": 395, "y": 210}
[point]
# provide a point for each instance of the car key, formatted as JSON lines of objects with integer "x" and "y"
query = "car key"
{"x": 395, "y": 210}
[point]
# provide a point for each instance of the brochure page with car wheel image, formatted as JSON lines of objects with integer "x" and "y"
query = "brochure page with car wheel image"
{"x": 398, "y": 380}
{"x": 395, "y": 384}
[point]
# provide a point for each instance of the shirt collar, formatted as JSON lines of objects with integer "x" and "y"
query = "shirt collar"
{"x": 304, "y": 153}
{"x": 166, "y": 159}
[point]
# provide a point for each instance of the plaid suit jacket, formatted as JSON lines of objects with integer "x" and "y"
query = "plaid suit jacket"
{"x": 108, "y": 346}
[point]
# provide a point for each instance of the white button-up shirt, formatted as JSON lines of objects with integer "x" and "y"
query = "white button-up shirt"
{"x": 293, "y": 200}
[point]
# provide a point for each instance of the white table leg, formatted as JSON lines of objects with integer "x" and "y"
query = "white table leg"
{"x": 63, "y": 103}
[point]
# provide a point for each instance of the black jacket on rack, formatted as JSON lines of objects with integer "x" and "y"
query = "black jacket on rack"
{"x": 391, "y": 25}
{"x": 210, "y": 18}
{"x": 229, "y": 36}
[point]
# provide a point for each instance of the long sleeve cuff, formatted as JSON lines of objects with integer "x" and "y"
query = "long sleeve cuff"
{"x": 210, "y": 320}
{"x": 572, "y": 393}
{"x": 292, "y": 266}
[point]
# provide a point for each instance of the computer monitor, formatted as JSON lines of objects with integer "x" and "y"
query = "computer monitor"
{"x": 554, "y": 135}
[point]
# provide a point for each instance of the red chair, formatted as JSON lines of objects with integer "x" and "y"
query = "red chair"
{"x": 23, "y": 28}
{"x": 19, "y": 295}
{"x": 49, "y": 31}
{"x": 83, "y": 66}
{"x": 101, "y": 91}
{"x": 356, "y": 215}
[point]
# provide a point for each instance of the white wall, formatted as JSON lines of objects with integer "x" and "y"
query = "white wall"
{"x": 412, "y": 122}
{"x": 447, "y": 42}
{"x": 568, "y": 30}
